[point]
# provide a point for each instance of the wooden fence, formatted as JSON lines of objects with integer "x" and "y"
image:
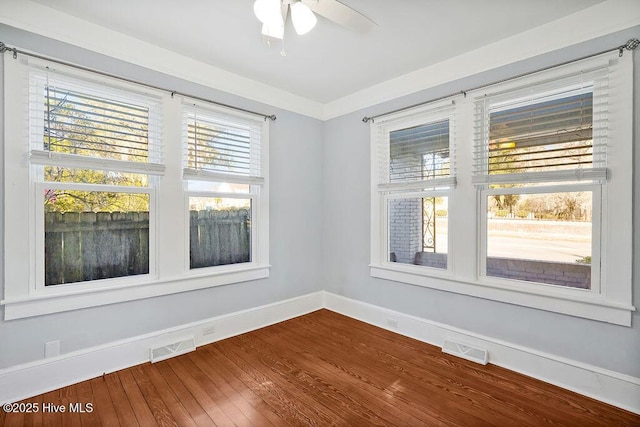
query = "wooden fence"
{"x": 219, "y": 237}
{"x": 90, "y": 246}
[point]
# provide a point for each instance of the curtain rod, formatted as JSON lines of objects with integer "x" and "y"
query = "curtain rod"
{"x": 4, "y": 48}
{"x": 631, "y": 44}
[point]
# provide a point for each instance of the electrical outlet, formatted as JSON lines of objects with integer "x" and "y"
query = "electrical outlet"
{"x": 393, "y": 323}
{"x": 209, "y": 330}
{"x": 52, "y": 348}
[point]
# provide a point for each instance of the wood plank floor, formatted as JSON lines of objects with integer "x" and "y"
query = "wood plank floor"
{"x": 319, "y": 369}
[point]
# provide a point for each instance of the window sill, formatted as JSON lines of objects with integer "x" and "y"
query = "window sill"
{"x": 578, "y": 303}
{"x": 54, "y": 302}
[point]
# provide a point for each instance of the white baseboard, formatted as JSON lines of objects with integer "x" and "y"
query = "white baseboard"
{"x": 30, "y": 379}
{"x": 607, "y": 386}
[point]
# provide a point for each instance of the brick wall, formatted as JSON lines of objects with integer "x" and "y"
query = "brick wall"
{"x": 431, "y": 259}
{"x": 572, "y": 275}
{"x": 405, "y": 229}
{"x": 405, "y": 215}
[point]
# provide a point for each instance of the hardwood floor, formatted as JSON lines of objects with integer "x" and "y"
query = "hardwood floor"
{"x": 319, "y": 369}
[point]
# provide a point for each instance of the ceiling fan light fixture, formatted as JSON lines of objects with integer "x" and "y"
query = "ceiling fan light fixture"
{"x": 275, "y": 31}
{"x": 268, "y": 12}
{"x": 302, "y": 17}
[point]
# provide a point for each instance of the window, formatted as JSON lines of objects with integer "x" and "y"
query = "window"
{"x": 94, "y": 152}
{"x": 537, "y": 211}
{"x": 97, "y": 199}
{"x": 223, "y": 169}
{"x": 416, "y": 176}
{"x": 543, "y": 237}
{"x": 541, "y": 169}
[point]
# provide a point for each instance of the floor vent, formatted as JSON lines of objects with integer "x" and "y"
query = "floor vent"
{"x": 468, "y": 352}
{"x": 173, "y": 349}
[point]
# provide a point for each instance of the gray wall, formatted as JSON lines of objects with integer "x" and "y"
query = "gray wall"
{"x": 295, "y": 240}
{"x": 320, "y": 210}
{"x": 346, "y": 242}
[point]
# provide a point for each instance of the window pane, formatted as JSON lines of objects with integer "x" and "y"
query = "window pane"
{"x": 87, "y": 125}
{"x": 88, "y": 176}
{"x": 91, "y": 235}
{"x": 553, "y": 134}
{"x": 420, "y": 152}
{"x": 544, "y": 238}
{"x": 418, "y": 231}
{"x": 219, "y": 231}
{"x": 220, "y": 144}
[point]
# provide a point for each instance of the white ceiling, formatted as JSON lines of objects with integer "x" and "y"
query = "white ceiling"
{"x": 330, "y": 62}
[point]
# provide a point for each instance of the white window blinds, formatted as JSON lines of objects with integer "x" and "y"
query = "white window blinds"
{"x": 75, "y": 123}
{"x": 222, "y": 147}
{"x": 417, "y": 152}
{"x": 545, "y": 132}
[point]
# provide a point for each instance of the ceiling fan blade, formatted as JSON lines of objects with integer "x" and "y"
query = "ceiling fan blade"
{"x": 341, "y": 14}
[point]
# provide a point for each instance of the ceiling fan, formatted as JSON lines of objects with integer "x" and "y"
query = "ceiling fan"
{"x": 273, "y": 15}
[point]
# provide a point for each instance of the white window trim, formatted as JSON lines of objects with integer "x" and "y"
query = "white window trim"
{"x": 613, "y": 303}
{"x": 258, "y": 192}
{"x": 382, "y": 190}
{"x": 37, "y": 279}
{"x": 596, "y": 191}
{"x": 384, "y": 251}
{"x": 23, "y": 299}
{"x": 254, "y": 262}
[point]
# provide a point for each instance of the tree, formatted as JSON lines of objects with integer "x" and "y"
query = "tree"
{"x": 568, "y": 206}
{"x": 82, "y": 125}
{"x": 506, "y": 201}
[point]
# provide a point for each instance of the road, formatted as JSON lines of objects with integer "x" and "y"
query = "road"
{"x": 542, "y": 245}
{"x": 541, "y": 249}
